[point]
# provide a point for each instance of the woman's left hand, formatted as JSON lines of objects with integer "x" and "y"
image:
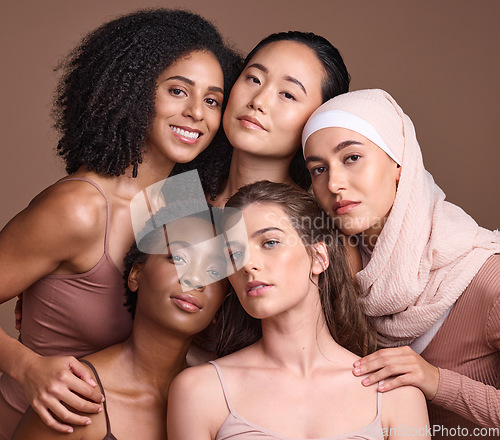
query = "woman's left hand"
{"x": 398, "y": 366}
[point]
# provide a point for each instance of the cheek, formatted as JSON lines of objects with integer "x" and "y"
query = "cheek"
{"x": 294, "y": 260}
{"x": 321, "y": 192}
{"x": 228, "y": 114}
{"x": 290, "y": 125}
{"x": 386, "y": 190}
{"x": 164, "y": 106}
{"x": 235, "y": 97}
{"x": 215, "y": 294}
{"x": 237, "y": 281}
{"x": 213, "y": 120}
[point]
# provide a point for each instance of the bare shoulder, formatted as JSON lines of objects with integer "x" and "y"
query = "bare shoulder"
{"x": 405, "y": 406}
{"x": 196, "y": 394}
{"x": 31, "y": 427}
{"x": 65, "y": 224}
{"x": 406, "y": 393}
{"x": 76, "y": 205}
{"x": 195, "y": 382}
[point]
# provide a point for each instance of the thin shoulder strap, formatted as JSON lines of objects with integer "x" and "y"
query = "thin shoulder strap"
{"x": 379, "y": 402}
{"x": 223, "y": 385}
{"x": 108, "y": 425}
{"x": 98, "y": 188}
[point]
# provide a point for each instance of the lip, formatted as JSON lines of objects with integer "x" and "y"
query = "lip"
{"x": 182, "y": 137}
{"x": 344, "y": 206}
{"x": 250, "y": 123}
{"x": 186, "y": 302}
{"x": 257, "y": 288}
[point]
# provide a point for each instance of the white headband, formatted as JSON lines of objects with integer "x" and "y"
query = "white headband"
{"x": 342, "y": 119}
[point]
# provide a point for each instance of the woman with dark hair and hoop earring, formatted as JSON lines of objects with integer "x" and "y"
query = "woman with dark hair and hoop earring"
{"x": 140, "y": 94}
{"x": 301, "y": 330}
{"x": 175, "y": 284}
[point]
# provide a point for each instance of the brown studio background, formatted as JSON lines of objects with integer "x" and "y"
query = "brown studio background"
{"x": 439, "y": 59}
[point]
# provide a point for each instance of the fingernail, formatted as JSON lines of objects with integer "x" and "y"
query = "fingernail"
{"x": 357, "y": 371}
{"x": 381, "y": 388}
{"x": 365, "y": 381}
{"x": 69, "y": 430}
{"x": 88, "y": 422}
{"x": 102, "y": 399}
{"x": 100, "y": 409}
{"x": 357, "y": 364}
{"x": 92, "y": 382}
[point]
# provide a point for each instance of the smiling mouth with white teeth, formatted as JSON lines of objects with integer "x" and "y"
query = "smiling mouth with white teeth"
{"x": 185, "y": 133}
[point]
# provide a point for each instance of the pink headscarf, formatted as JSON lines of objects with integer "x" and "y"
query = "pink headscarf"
{"x": 429, "y": 249}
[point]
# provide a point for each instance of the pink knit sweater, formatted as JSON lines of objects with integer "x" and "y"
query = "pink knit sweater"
{"x": 467, "y": 351}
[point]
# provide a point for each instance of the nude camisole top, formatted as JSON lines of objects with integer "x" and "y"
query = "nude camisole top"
{"x": 237, "y": 427}
{"x": 75, "y": 314}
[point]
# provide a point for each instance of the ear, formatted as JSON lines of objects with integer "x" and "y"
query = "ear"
{"x": 320, "y": 258}
{"x": 133, "y": 277}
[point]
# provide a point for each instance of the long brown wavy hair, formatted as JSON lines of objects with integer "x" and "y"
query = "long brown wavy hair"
{"x": 338, "y": 290}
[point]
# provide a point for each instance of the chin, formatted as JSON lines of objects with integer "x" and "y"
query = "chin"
{"x": 188, "y": 156}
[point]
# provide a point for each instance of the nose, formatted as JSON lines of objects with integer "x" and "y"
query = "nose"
{"x": 260, "y": 101}
{"x": 191, "y": 280}
{"x": 252, "y": 265}
{"x": 194, "y": 108}
{"x": 336, "y": 180}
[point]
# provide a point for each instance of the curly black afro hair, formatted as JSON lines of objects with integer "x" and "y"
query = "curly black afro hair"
{"x": 105, "y": 100}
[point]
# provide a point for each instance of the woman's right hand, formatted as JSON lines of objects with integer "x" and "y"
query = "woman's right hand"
{"x": 55, "y": 386}
{"x": 62, "y": 229}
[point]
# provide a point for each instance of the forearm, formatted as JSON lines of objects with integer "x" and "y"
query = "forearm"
{"x": 14, "y": 356}
{"x": 471, "y": 399}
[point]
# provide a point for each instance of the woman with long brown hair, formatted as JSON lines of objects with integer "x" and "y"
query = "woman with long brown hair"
{"x": 291, "y": 377}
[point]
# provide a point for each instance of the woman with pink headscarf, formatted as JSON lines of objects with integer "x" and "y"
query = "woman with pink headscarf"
{"x": 430, "y": 276}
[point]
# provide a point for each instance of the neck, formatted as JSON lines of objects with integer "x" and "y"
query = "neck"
{"x": 156, "y": 355}
{"x": 154, "y": 167}
{"x": 370, "y": 236}
{"x": 246, "y": 168}
{"x": 298, "y": 340}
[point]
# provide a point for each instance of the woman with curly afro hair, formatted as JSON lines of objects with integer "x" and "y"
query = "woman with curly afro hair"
{"x": 140, "y": 94}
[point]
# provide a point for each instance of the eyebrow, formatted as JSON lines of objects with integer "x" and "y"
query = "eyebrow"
{"x": 255, "y": 234}
{"x": 264, "y": 230}
{"x": 186, "y": 244}
{"x": 192, "y": 83}
{"x": 336, "y": 149}
{"x": 288, "y": 78}
{"x": 296, "y": 82}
